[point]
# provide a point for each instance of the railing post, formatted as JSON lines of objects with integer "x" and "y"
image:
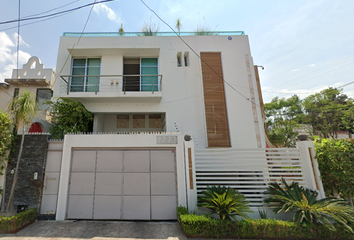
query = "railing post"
{"x": 68, "y": 88}
{"x": 124, "y": 83}
{"x": 96, "y": 85}
{"x": 152, "y": 85}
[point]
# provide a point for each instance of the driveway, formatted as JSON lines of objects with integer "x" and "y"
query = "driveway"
{"x": 98, "y": 230}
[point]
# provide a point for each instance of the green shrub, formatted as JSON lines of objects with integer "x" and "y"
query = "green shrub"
{"x": 206, "y": 227}
{"x": 307, "y": 209}
{"x": 182, "y": 211}
{"x": 226, "y": 202}
{"x": 14, "y": 222}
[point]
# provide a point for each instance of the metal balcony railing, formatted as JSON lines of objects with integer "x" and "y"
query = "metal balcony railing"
{"x": 110, "y": 83}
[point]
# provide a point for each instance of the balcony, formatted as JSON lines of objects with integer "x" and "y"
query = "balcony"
{"x": 103, "y": 88}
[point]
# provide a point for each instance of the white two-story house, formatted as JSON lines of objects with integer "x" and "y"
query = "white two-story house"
{"x": 146, "y": 94}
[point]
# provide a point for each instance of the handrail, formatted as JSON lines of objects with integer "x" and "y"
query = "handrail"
{"x": 98, "y": 84}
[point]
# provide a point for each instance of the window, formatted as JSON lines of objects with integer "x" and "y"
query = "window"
{"x": 141, "y": 122}
{"x": 43, "y": 95}
{"x": 140, "y": 66}
{"x": 138, "y": 121}
{"x": 149, "y": 66}
{"x": 123, "y": 121}
{"x": 16, "y": 92}
{"x": 179, "y": 61}
{"x": 88, "y": 67}
{"x": 186, "y": 59}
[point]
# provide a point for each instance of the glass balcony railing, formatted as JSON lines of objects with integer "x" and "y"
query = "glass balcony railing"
{"x": 134, "y": 34}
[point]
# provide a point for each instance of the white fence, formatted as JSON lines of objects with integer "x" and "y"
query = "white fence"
{"x": 248, "y": 170}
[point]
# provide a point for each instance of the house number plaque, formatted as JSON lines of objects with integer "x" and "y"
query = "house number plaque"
{"x": 166, "y": 139}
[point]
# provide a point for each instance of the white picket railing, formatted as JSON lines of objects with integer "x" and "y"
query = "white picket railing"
{"x": 248, "y": 170}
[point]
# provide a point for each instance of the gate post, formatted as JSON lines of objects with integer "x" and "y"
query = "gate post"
{"x": 190, "y": 176}
{"x": 310, "y": 167}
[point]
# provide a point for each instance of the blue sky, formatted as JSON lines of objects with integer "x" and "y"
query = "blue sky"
{"x": 304, "y": 45}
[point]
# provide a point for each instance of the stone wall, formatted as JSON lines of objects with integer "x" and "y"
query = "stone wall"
{"x": 28, "y": 190}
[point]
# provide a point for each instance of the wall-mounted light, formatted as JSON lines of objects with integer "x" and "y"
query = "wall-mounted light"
{"x": 261, "y": 67}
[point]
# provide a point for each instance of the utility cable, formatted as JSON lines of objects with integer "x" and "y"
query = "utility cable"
{"x": 198, "y": 55}
{"x": 54, "y": 14}
{"x": 69, "y": 54}
{"x": 346, "y": 84}
{"x": 52, "y": 9}
{"x": 315, "y": 71}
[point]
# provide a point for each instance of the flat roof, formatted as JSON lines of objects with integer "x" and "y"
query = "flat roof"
{"x": 134, "y": 34}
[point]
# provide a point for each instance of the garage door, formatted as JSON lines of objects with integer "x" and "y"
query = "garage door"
{"x": 123, "y": 184}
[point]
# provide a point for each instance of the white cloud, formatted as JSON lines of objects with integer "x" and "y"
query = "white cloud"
{"x": 295, "y": 70}
{"x": 102, "y": 8}
{"x": 8, "y": 56}
{"x": 312, "y": 65}
{"x": 14, "y": 37}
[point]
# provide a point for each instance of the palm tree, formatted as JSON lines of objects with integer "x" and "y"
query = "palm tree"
{"x": 178, "y": 25}
{"x": 22, "y": 108}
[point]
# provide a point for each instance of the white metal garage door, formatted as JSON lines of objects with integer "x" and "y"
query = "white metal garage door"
{"x": 123, "y": 184}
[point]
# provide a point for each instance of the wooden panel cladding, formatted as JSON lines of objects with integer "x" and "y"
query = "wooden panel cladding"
{"x": 214, "y": 100}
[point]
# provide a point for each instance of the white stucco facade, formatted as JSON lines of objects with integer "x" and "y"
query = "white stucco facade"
{"x": 180, "y": 98}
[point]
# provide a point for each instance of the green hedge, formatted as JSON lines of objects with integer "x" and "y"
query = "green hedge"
{"x": 15, "y": 222}
{"x": 203, "y": 226}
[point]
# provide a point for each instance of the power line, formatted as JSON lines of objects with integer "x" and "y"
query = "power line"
{"x": 346, "y": 84}
{"x": 36, "y": 21}
{"x": 52, "y": 9}
{"x": 54, "y": 14}
{"x": 316, "y": 71}
{"x": 82, "y": 32}
{"x": 198, "y": 55}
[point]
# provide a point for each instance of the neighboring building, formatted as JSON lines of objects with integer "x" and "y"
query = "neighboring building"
{"x": 34, "y": 78}
{"x": 146, "y": 93}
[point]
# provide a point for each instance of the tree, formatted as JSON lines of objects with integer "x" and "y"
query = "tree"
{"x": 23, "y": 109}
{"x": 328, "y": 112}
{"x": 5, "y": 144}
{"x": 68, "y": 116}
{"x": 284, "y": 116}
{"x": 335, "y": 161}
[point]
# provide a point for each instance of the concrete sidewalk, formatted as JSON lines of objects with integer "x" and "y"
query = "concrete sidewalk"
{"x": 98, "y": 230}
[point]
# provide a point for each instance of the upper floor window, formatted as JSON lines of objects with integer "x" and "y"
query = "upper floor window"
{"x": 140, "y": 67}
{"x": 84, "y": 68}
{"x": 43, "y": 95}
{"x": 16, "y": 92}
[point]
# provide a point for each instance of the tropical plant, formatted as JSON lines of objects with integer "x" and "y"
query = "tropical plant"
{"x": 6, "y": 137}
{"x": 226, "y": 202}
{"x": 263, "y": 214}
{"x": 178, "y": 25}
{"x": 23, "y": 109}
{"x": 150, "y": 28}
{"x": 307, "y": 209}
{"x": 121, "y": 29}
{"x": 68, "y": 116}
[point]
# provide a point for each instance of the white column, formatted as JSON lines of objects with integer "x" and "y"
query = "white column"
{"x": 310, "y": 167}
{"x": 191, "y": 186}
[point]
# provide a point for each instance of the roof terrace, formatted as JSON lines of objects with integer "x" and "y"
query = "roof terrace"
{"x": 134, "y": 34}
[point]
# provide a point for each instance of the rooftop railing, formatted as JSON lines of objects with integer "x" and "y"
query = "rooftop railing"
{"x": 134, "y": 34}
{"x": 110, "y": 83}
